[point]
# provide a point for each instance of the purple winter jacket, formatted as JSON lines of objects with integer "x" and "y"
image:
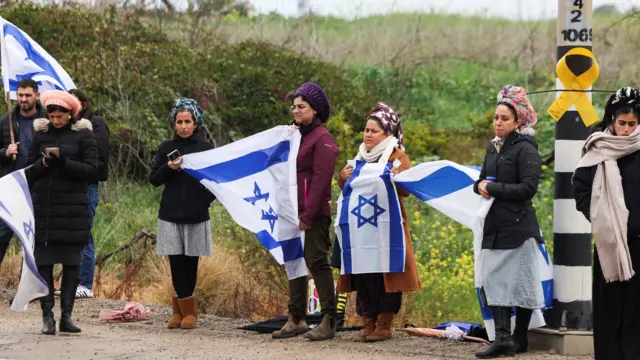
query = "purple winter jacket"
{"x": 316, "y": 162}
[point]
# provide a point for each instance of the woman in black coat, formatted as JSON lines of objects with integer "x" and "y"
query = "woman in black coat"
{"x": 64, "y": 156}
{"x": 510, "y": 175}
{"x": 184, "y": 230}
{"x": 616, "y": 300}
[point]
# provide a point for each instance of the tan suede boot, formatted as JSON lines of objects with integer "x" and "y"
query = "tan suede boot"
{"x": 176, "y": 319}
{"x": 383, "y": 328}
{"x": 325, "y": 331}
{"x": 189, "y": 309}
{"x": 369, "y": 327}
{"x": 295, "y": 326}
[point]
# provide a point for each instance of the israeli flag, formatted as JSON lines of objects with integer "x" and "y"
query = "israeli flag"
{"x": 255, "y": 179}
{"x": 16, "y": 210}
{"x": 369, "y": 222}
{"x": 448, "y": 187}
{"x": 23, "y": 58}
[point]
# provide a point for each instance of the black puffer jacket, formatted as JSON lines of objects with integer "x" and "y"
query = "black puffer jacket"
{"x": 101, "y": 134}
{"x": 7, "y": 165}
{"x": 184, "y": 199}
{"x": 60, "y": 202}
{"x": 512, "y": 218}
{"x": 630, "y": 171}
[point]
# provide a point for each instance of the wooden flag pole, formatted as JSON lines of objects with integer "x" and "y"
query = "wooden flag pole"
{"x": 12, "y": 135}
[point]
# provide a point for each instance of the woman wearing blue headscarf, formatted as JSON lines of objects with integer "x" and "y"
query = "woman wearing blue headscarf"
{"x": 184, "y": 232}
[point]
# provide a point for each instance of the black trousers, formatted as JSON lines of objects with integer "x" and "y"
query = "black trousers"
{"x": 317, "y": 244}
{"x": 371, "y": 298}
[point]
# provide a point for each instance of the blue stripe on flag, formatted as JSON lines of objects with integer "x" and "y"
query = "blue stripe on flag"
{"x": 439, "y": 183}
{"x": 244, "y": 166}
{"x": 484, "y": 309}
{"x": 396, "y": 241}
{"x": 547, "y": 290}
{"x": 344, "y": 218}
{"x": 291, "y": 249}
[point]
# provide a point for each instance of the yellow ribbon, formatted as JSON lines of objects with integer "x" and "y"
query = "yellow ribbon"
{"x": 573, "y": 82}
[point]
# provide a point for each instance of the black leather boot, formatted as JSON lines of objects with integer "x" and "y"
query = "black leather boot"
{"x": 503, "y": 345}
{"x": 67, "y": 299}
{"x": 520, "y": 340}
{"x": 48, "y": 322}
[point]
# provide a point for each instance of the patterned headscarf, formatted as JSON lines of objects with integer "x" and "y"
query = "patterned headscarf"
{"x": 626, "y": 96}
{"x": 189, "y": 104}
{"x": 517, "y": 98}
{"x": 390, "y": 121}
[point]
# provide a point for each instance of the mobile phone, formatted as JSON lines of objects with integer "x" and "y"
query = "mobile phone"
{"x": 52, "y": 150}
{"x": 174, "y": 155}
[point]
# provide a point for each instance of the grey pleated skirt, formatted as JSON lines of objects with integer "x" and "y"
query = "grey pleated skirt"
{"x": 512, "y": 277}
{"x": 184, "y": 239}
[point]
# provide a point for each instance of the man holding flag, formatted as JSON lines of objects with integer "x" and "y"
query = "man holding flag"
{"x": 13, "y": 152}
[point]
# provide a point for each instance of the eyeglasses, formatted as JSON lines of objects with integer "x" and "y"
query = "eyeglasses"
{"x": 299, "y": 107}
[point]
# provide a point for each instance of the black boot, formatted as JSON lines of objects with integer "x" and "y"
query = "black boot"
{"x": 48, "y": 322}
{"x": 67, "y": 299}
{"x": 503, "y": 345}
{"x": 523, "y": 317}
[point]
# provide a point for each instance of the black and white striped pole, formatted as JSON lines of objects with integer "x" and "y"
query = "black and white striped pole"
{"x": 577, "y": 69}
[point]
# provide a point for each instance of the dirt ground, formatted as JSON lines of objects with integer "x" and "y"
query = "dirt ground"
{"x": 216, "y": 338}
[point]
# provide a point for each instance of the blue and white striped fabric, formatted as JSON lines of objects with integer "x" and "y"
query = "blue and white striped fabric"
{"x": 369, "y": 222}
{"x": 255, "y": 179}
{"x": 448, "y": 187}
{"x": 23, "y": 58}
{"x": 16, "y": 209}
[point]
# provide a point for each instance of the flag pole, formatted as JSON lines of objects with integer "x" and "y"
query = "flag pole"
{"x": 12, "y": 135}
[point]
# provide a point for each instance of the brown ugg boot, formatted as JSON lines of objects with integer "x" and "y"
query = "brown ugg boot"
{"x": 295, "y": 326}
{"x": 383, "y": 328}
{"x": 176, "y": 319}
{"x": 369, "y": 327}
{"x": 189, "y": 309}
{"x": 325, "y": 331}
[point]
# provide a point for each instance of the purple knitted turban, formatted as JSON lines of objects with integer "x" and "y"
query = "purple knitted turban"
{"x": 316, "y": 98}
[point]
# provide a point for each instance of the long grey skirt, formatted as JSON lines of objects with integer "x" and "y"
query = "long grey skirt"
{"x": 512, "y": 277}
{"x": 184, "y": 239}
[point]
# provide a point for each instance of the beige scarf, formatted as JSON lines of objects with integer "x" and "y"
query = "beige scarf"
{"x": 609, "y": 214}
{"x": 380, "y": 153}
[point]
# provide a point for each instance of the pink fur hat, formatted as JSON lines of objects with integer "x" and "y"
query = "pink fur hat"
{"x": 63, "y": 99}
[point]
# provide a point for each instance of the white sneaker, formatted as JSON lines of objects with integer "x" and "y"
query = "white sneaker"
{"x": 83, "y": 292}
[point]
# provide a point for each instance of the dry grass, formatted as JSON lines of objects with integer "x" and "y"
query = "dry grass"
{"x": 226, "y": 286}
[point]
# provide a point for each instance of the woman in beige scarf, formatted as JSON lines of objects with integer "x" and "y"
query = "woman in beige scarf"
{"x": 606, "y": 186}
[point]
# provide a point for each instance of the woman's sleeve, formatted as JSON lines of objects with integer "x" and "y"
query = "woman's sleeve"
{"x": 529, "y": 170}
{"x": 160, "y": 172}
{"x": 582, "y": 185}
{"x": 405, "y": 163}
{"x": 34, "y": 158}
{"x": 483, "y": 175}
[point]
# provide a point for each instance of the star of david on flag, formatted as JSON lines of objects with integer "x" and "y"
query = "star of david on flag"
{"x": 358, "y": 211}
{"x": 369, "y": 222}
{"x": 448, "y": 187}
{"x": 255, "y": 180}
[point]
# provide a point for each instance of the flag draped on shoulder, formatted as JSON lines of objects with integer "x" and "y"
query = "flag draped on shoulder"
{"x": 16, "y": 210}
{"x": 23, "y": 58}
{"x": 448, "y": 187}
{"x": 255, "y": 179}
{"x": 369, "y": 222}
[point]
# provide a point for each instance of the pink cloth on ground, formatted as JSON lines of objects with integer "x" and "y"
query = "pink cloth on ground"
{"x": 133, "y": 311}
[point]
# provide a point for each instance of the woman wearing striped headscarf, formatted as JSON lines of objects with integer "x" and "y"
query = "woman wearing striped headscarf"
{"x": 379, "y": 296}
{"x": 510, "y": 174}
{"x": 184, "y": 232}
